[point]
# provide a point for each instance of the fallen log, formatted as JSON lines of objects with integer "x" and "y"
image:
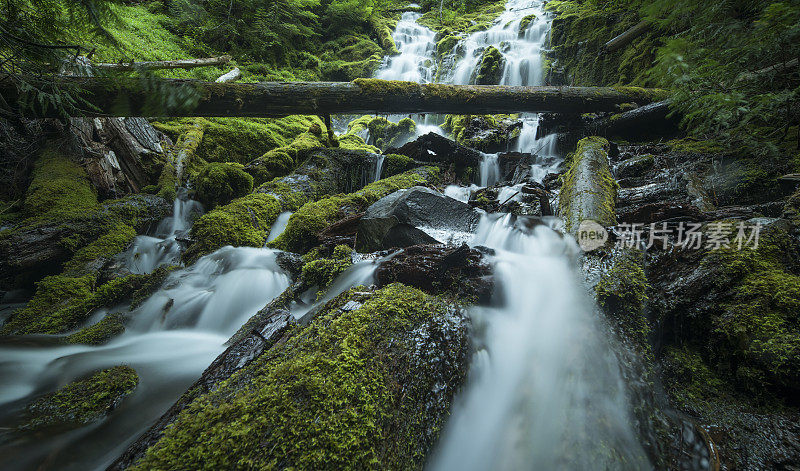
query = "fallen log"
{"x": 133, "y": 97}
{"x": 648, "y": 120}
{"x": 589, "y": 191}
{"x": 625, "y": 38}
{"x": 773, "y": 68}
{"x": 176, "y": 64}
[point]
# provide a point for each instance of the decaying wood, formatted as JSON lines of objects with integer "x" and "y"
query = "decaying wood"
{"x": 645, "y": 120}
{"x": 774, "y": 68}
{"x": 625, "y": 38}
{"x": 128, "y": 97}
{"x": 176, "y": 64}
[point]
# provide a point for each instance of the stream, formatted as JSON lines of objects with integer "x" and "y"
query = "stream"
{"x": 545, "y": 388}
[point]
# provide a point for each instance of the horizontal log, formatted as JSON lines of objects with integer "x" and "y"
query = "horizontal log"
{"x": 777, "y": 68}
{"x": 176, "y": 64}
{"x": 129, "y": 97}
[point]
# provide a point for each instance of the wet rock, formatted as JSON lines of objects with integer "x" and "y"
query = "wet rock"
{"x": 405, "y": 354}
{"x": 435, "y": 148}
{"x": 82, "y": 402}
{"x": 408, "y": 217}
{"x": 634, "y": 166}
{"x": 461, "y": 271}
{"x": 490, "y": 69}
{"x": 487, "y": 133}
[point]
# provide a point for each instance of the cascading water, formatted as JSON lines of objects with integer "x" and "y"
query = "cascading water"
{"x": 147, "y": 253}
{"x": 169, "y": 340}
{"x": 545, "y": 390}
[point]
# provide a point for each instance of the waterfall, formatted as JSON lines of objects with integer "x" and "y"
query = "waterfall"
{"x": 417, "y": 47}
{"x": 489, "y": 170}
{"x": 147, "y": 253}
{"x": 378, "y": 168}
{"x": 545, "y": 389}
{"x": 169, "y": 340}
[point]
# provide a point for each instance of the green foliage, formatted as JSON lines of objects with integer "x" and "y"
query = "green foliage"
{"x": 219, "y": 183}
{"x": 349, "y": 391}
{"x": 462, "y": 16}
{"x": 82, "y": 402}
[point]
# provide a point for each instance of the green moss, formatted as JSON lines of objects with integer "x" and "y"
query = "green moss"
{"x": 469, "y": 18}
{"x": 758, "y": 327}
{"x": 524, "y": 23}
{"x": 622, "y": 294}
{"x": 445, "y": 45}
{"x": 280, "y": 161}
{"x": 482, "y": 132}
{"x": 82, "y": 402}
{"x": 396, "y": 163}
{"x": 219, "y": 183}
{"x": 243, "y": 222}
{"x": 588, "y": 190}
{"x": 100, "y": 333}
{"x": 112, "y": 242}
{"x": 581, "y": 29}
{"x": 311, "y": 218}
{"x": 346, "y": 392}
{"x": 320, "y": 272}
{"x": 344, "y": 71}
{"x": 59, "y": 189}
{"x": 693, "y": 382}
{"x": 490, "y": 70}
{"x": 62, "y": 302}
{"x": 382, "y": 132}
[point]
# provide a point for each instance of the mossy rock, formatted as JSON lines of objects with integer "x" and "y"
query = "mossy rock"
{"x": 304, "y": 225}
{"x": 280, "y": 161}
{"x": 382, "y": 132}
{"x": 446, "y": 45}
{"x": 82, "y": 402}
{"x": 219, "y": 183}
{"x": 100, "y": 333}
{"x": 490, "y": 70}
{"x": 366, "y": 385}
{"x": 320, "y": 272}
{"x": 524, "y": 23}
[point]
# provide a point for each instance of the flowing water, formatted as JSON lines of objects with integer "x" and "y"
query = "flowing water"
{"x": 170, "y": 339}
{"x": 545, "y": 390}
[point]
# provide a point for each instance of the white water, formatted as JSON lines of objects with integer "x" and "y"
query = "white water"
{"x": 170, "y": 339}
{"x": 147, "y": 253}
{"x": 279, "y": 225}
{"x": 545, "y": 390}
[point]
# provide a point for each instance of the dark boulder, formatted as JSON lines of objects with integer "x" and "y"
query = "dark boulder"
{"x": 461, "y": 271}
{"x": 407, "y": 217}
{"x": 435, "y": 148}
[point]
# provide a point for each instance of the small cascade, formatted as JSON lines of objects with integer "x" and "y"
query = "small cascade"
{"x": 417, "y": 47}
{"x": 147, "y": 253}
{"x": 546, "y": 387}
{"x": 378, "y": 168}
{"x": 279, "y": 225}
{"x": 489, "y": 171}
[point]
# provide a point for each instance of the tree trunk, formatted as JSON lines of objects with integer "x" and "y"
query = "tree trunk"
{"x": 176, "y": 64}
{"x": 648, "y": 120}
{"x": 625, "y": 38}
{"x": 774, "y": 68}
{"x": 129, "y": 97}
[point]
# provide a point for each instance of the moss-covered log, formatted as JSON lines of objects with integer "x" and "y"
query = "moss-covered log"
{"x": 371, "y": 379}
{"x": 589, "y": 190}
{"x": 625, "y": 38}
{"x": 123, "y": 97}
{"x": 176, "y": 64}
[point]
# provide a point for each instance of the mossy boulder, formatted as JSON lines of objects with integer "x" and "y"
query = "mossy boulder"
{"x": 219, "y": 183}
{"x": 446, "y": 45}
{"x": 280, "y": 161}
{"x": 320, "y": 272}
{"x": 487, "y": 133}
{"x": 382, "y": 132}
{"x": 304, "y": 225}
{"x": 367, "y": 385}
{"x": 490, "y": 69}
{"x": 524, "y": 23}
{"x": 82, "y": 402}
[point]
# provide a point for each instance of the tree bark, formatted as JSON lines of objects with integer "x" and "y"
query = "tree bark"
{"x": 774, "y": 68}
{"x": 176, "y": 64}
{"x": 129, "y": 97}
{"x": 648, "y": 120}
{"x": 625, "y": 38}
